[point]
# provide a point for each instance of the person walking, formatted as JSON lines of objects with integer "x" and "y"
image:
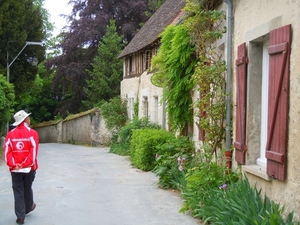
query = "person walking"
{"x": 20, "y": 152}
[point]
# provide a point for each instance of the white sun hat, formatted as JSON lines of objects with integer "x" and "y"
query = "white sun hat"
{"x": 20, "y": 117}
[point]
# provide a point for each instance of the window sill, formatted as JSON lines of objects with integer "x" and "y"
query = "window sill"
{"x": 257, "y": 170}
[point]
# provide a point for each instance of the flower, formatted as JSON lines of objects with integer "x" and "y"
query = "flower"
{"x": 224, "y": 187}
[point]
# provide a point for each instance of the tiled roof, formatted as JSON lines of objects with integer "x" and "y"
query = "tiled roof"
{"x": 151, "y": 30}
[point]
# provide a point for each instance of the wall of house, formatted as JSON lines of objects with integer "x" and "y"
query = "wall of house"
{"x": 148, "y": 95}
{"x": 252, "y": 22}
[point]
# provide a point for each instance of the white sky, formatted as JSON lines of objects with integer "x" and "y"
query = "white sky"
{"x": 55, "y": 8}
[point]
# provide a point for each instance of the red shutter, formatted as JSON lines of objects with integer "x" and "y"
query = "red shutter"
{"x": 240, "y": 121}
{"x": 279, "y": 69}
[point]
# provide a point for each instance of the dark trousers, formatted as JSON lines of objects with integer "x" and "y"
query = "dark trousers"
{"x": 23, "y": 194}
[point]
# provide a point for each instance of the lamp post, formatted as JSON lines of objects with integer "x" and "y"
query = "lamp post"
{"x": 33, "y": 61}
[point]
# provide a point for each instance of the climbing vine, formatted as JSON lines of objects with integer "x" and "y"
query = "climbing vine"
{"x": 175, "y": 62}
{"x": 188, "y": 61}
{"x": 209, "y": 73}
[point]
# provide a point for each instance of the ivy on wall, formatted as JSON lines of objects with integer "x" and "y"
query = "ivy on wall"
{"x": 188, "y": 60}
{"x": 209, "y": 73}
{"x": 175, "y": 62}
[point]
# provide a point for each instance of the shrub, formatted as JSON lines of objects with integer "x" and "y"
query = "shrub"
{"x": 144, "y": 146}
{"x": 114, "y": 113}
{"x": 172, "y": 161}
{"x": 241, "y": 204}
{"x": 205, "y": 174}
{"x": 120, "y": 145}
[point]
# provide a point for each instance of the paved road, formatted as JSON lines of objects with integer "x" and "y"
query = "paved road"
{"x": 88, "y": 186}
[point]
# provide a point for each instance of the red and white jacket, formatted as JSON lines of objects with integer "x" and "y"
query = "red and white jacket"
{"x": 21, "y": 147}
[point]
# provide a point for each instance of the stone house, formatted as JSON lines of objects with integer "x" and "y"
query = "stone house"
{"x": 260, "y": 48}
{"x": 136, "y": 83}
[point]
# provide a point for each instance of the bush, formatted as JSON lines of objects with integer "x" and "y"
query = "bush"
{"x": 199, "y": 181}
{"x": 172, "y": 161}
{"x": 205, "y": 174}
{"x": 114, "y": 113}
{"x": 121, "y": 143}
{"x": 144, "y": 146}
{"x": 240, "y": 203}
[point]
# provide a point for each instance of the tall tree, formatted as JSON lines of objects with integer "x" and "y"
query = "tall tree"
{"x": 107, "y": 69}
{"x": 87, "y": 25}
{"x": 21, "y": 21}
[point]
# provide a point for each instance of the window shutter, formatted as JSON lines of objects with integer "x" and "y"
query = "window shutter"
{"x": 279, "y": 64}
{"x": 240, "y": 121}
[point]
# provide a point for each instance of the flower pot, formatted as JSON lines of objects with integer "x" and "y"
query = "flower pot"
{"x": 228, "y": 158}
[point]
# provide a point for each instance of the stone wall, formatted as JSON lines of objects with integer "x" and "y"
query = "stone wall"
{"x": 87, "y": 128}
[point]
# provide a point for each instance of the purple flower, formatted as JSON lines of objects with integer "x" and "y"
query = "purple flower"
{"x": 224, "y": 187}
{"x": 156, "y": 155}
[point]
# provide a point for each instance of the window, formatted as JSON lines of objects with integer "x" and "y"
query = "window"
{"x": 155, "y": 109}
{"x": 145, "y": 106}
{"x": 130, "y": 108}
{"x": 261, "y": 160}
{"x": 262, "y": 102}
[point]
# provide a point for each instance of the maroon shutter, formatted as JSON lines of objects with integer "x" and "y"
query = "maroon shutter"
{"x": 240, "y": 121}
{"x": 279, "y": 68}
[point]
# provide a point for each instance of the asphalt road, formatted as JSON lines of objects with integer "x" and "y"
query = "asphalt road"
{"x": 81, "y": 185}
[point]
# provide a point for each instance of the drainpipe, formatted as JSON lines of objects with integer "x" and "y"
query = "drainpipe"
{"x": 228, "y": 84}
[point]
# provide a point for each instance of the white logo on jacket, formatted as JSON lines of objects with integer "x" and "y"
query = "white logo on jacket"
{"x": 20, "y": 145}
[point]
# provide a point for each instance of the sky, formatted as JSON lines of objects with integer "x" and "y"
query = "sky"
{"x": 55, "y": 8}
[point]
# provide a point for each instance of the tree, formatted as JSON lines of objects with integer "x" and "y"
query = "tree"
{"x": 7, "y": 97}
{"x": 153, "y": 6}
{"x": 88, "y": 24}
{"x": 21, "y": 21}
{"x": 107, "y": 69}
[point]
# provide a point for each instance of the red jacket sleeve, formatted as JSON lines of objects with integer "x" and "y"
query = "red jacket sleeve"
{"x": 8, "y": 156}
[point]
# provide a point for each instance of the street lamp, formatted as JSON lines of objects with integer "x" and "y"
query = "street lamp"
{"x": 33, "y": 61}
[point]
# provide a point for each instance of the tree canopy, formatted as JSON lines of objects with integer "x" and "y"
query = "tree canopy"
{"x": 107, "y": 69}
{"x": 88, "y": 24}
{"x": 21, "y": 21}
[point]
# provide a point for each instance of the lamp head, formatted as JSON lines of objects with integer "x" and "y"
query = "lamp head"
{"x": 34, "y": 61}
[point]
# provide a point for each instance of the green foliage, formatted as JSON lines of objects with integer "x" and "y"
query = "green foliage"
{"x": 240, "y": 203}
{"x": 21, "y": 21}
{"x": 153, "y": 6}
{"x": 209, "y": 73}
{"x": 114, "y": 113}
{"x": 204, "y": 174}
{"x": 144, "y": 146}
{"x": 7, "y": 101}
{"x": 39, "y": 99}
{"x": 121, "y": 142}
{"x": 172, "y": 161}
{"x": 175, "y": 63}
{"x": 106, "y": 75}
